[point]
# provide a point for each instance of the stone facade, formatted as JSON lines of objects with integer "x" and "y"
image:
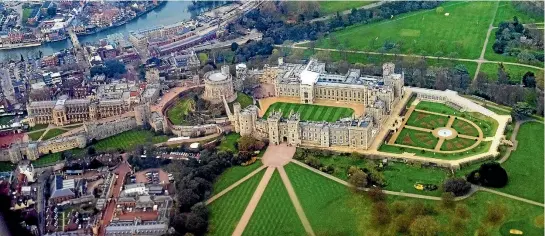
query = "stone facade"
{"x": 309, "y": 83}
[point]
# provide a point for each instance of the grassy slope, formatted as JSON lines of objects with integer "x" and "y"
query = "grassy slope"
{"x": 177, "y": 112}
{"x": 232, "y": 175}
{"x": 425, "y": 32}
{"x": 275, "y": 214}
{"x": 53, "y": 133}
{"x": 328, "y": 7}
{"x": 227, "y": 210}
{"x": 525, "y": 165}
{"x": 311, "y": 112}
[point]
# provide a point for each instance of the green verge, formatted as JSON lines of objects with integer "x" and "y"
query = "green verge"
{"x": 232, "y": 175}
{"x": 425, "y": 32}
{"x": 275, "y": 213}
{"x": 481, "y": 148}
{"x": 226, "y": 211}
{"x": 515, "y": 72}
{"x": 38, "y": 127}
{"x": 525, "y": 165}
{"x": 47, "y": 160}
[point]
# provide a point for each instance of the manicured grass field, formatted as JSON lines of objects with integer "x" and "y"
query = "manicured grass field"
{"x": 310, "y": 112}
{"x": 53, "y": 133}
{"x": 328, "y": 7}
{"x": 47, "y": 159}
{"x": 425, "y": 32}
{"x": 178, "y": 111}
{"x": 6, "y": 120}
{"x": 457, "y": 144}
{"x": 463, "y": 127}
{"x": 226, "y": 211}
{"x": 326, "y": 203}
{"x": 485, "y": 123}
{"x": 36, "y": 135}
{"x": 275, "y": 214}
{"x": 128, "y": 140}
{"x": 416, "y": 138}
{"x": 428, "y": 121}
{"x": 481, "y": 148}
{"x": 401, "y": 177}
{"x": 515, "y": 72}
{"x": 506, "y": 11}
{"x": 232, "y": 175}
{"x": 228, "y": 142}
{"x": 525, "y": 165}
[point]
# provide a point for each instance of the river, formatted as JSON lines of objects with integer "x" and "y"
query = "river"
{"x": 169, "y": 13}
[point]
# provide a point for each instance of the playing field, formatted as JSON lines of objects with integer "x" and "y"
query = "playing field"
{"x": 461, "y": 33}
{"x": 310, "y": 112}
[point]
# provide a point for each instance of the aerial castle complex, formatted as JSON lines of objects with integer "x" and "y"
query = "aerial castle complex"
{"x": 310, "y": 84}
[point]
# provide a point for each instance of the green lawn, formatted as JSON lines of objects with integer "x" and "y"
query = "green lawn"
{"x": 326, "y": 203}
{"x": 244, "y": 100}
{"x": 275, "y": 214}
{"x": 179, "y": 111}
{"x": 465, "y": 128}
{"x": 525, "y": 165}
{"x": 232, "y": 175}
{"x": 310, "y": 112}
{"x": 328, "y": 7}
{"x": 228, "y": 142}
{"x": 426, "y": 32}
{"x": 6, "y": 120}
{"x": 481, "y": 148}
{"x": 53, "y": 133}
{"x": 47, "y": 159}
{"x": 485, "y": 123}
{"x": 416, "y": 138}
{"x": 226, "y": 211}
{"x": 35, "y": 135}
{"x": 26, "y": 14}
{"x": 38, "y": 127}
{"x": 428, "y": 121}
{"x": 506, "y": 11}
{"x": 128, "y": 140}
{"x": 515, "y": 72}
{"x": 401, "y": 177}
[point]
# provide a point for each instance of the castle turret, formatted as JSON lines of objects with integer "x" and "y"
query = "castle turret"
{"x": 294, "y": 130}
{"x": 273, "y": 121}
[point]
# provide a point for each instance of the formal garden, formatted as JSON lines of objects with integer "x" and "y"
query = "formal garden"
{"x": 309, "y": 112}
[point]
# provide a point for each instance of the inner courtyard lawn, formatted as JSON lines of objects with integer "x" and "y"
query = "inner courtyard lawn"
{"x": 35, "y": 135}
{"x": 310, "y": 112}
{"x": 328, "y": 7}
{"x": 275, "y": 213}
{"x": 226, "y": 211}
{"x": 525, "y": 165}
{"x": 425, "y": 32}
{"x": 428, "y": 121}
{"x": 179, "y": 111}
{"x": 244, "y": 100}
{"x": 416, "y": 138}
{"x": 53, "y": 133}
{"x": 232, "y": 175}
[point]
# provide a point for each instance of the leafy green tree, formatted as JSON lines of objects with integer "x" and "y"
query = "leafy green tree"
{"x": 522, "y": 110}
{"x": 358, "y": 179}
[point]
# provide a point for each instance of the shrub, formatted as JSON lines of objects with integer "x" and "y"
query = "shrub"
{"x": 490, "y": 175}
{"x": 457, "y": 186}
{"x": 380, "y": 215}
{"x": 424, "y": 226}
{"x": 447, "y": 200}
{"x": 399, "y": 207}
{"x": 402, "y": 223}
{"x": 462, "y": 212}
{"x": 376, "y": 194}
{"x": 495, "y": 214}
{"x": 358, "y": 179}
